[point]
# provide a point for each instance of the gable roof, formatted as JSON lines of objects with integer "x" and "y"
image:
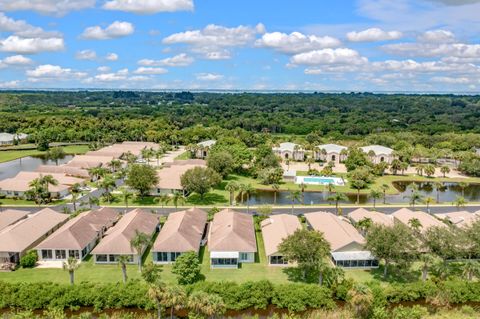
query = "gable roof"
{"x": 182, "y": 232}
{"x": 11, "y": 216}
{"x": 63, "y": 169}
{"x": 276, "y": 228}
{"x": 169, "y": 177}
{"x": 404, "y": 215}
{"x": 24, "y": 233}
{"x": 332, "y": 148}
{"x": 232, "y": 231}
{"x": 461, "y": 218}
{"x": 376, "y": 217}
{"x": 207, "y": 143}
{"x": 338, "y": 232}
{"x": 117, "y": 239}
{"x": 377, "y": 149}
{"x": 78, "y": 232}
{"x": 21, "y": 181}
{"x": 287, "y": 147}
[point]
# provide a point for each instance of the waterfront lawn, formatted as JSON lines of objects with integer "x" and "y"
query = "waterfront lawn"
{"x": 183, "y": 156}
{"x": 11, "y": 155}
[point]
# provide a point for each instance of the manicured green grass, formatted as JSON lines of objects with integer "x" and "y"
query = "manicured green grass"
{"x": 183, "y": 156}
{"x": 24, "y": 202}
{"x": 11, "y": 155}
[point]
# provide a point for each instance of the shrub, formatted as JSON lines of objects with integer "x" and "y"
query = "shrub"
{"x": 29, "y": 260}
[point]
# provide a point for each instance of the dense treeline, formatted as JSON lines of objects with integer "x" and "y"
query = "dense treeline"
{"x": 91, "y": 115}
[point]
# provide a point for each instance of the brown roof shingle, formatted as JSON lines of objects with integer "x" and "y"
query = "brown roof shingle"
{"x": 182, "y": 232}
{"x": 276, "y": 228}
{"x": 404, "y": 215}
{"x": 376, "y": 217}
{"x": 11, "y": 216}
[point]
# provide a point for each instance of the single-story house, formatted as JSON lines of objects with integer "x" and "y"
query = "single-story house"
{"x": 274, "y": 230}
{"x": 89, "y": 161}
{"x": 330, "y": 153}
{"x": 203, "y": 148}
{"x": 378, "y": 153}
{"x": 231, "y": 239}
{"x": 405, "y": 215}
{"x": 9, "y": 139}
{"x": 169, "y": 177}
{"x": 347, "y": 244}
{"x": 78, "y": 236}
{"x": 18, "y": 185}
{"x": 117, "y": 239}
{"x": 17, "y": 239}
{"x": 63, "y": 169}
{"x": 120, "y": 149}
{"x": 11, "y": 216}
{"x": 461, "y": 218}
{"x": 377, "y": 218}
{"x": 182, "y": 232}
{"x": 290, "y": 151}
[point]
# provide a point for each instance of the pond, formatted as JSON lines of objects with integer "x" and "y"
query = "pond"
{"x": 29, "y": 163}
{"x": 449, "y": 193}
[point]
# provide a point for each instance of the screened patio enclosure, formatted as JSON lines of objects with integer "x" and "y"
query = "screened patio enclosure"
{"x": 354, "y": 259}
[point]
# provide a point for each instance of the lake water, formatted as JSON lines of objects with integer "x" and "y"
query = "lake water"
{"x": 29, "y": 164}
{"x": 426, "y": 189}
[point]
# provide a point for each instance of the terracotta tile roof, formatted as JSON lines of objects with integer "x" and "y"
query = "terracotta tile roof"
{"x": 11, "y": 216}
{"x": 404, "y": 215}
{"x": 461, "y": 218}
{"x": 276, "y": 228}
{"x": 376, "y": 217}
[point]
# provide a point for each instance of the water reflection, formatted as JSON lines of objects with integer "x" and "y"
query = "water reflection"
{"x": 29, "y": 163}
{"x": 447, "y": 193}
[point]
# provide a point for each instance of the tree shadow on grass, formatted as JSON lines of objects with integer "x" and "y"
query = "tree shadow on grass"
{"x": 395, "y": 275}
{"x": 148, "y": 200}
{"x": 208, "y": 199}
{"x": 296, "y": 275}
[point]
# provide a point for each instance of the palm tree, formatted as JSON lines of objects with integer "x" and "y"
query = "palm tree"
{"x": 337, "y": 197}
{"x": 248, "y": 189}
{"x": 106, "y": 184}
{"x": 471, "y": 268}
{"x": 384, "y": 189}
{"x": 438, "y": 187}
{"x": 126, "y": 195}
{"x": 419, "y": 169}
{"x": 48, "y": 180}
{"x": 415, "y": 224}
{"x": 114, "y": 164}
{"x": 462, "y": 186}
{"x": 428, "y": 261}
{"x": 460, "y": 202}
{"x": 445, "y": 170}
{"x": 293, "y": 196}
{"x": 140, "y": 242}
{"x": 403, "y": 167}
{"x": 174, "y": 297}
{"x": 310, "y": 161}
{"x": 428, "y": 201}
{"x": 358, "y": 184}
{"x": 36, "y": 190}
{"x": 330, "y": 187}
{"x": 302, "y": 187}
{"x": 155, "y": 293}
{"x": 365, "y": 224}
{"x": 360, "y": 299}
{"x": 429, "y": 170}
{"x": 158, "y": 154}
{"x": 177, "y": 197}
{"x": 74, "y": 200}
{"x": 71, "y": 265}
{"x": 202, "y": 303}
{"x": 374, "y": 194}
{"x": 123, "y": 260}
{"x": 92, "y": 200}
{"x": 414, "y": 197}
{"x": 275, "y": 188}
{"x": 231, "y": 187}
{"x": 395, "y": 166}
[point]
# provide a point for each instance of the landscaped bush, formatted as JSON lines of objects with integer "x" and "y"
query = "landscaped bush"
{"x": 29, "y": 260}
{"x": 300, "y": 297}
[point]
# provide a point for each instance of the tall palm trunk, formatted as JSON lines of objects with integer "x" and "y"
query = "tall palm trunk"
{"x": 275, "y": 198}
{"x": 72, "y": 277}
{"x": 124, "y": 272}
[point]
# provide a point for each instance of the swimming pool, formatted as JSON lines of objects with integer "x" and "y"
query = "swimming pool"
{"x": 319, "y": 180}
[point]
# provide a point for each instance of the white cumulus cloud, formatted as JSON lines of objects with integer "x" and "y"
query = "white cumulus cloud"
{"x": 111, "y": 57}
{"x": 149, "y": 6}
{"x": 372, "y": 35}
{"x": 21, "y": 45}
{"x": 48, "y": 72}
{"x": 296, "y": 42}
{"x": 181, "y": 59}
{"x": 208, "y": 76}
{"x": 17, "y": 60}
{"x": 49, "y": 7}
{"x": 117, "y": 29}
{"x": 86, "y": 55}
{"x": 150, "y": 71}
{"x": 437, "y": 36}
{"x": 328, "y": 56}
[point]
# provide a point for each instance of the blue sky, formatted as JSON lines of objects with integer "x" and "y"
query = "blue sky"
{"x": 348, "y": 45}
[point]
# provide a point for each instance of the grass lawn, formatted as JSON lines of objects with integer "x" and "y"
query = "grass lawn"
{"x": 24, "y": 202}
{"x": 11, "y": 155}
{"x": 183, "y": 156}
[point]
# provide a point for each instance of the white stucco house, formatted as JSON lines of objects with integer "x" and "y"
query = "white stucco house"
{"x": 203, "y": 148}
{"x": 290, "y": 151}
{"x": 331, "y": 153}
{"x": 378, "y": 153}
{"x": 9, "y": 139}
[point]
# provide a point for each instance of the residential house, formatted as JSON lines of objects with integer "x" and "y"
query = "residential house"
{"x": 182, "y": 232}
{"x": 460, "y": 219}
{"x": 347, "y": 244}
{"x": 11, "y": 216}
{"x": 9, "y": 139}
{"x": 203, "y": 148}
{"x": 78, "y": 236}
{"x": 377, "y": 218}
{"x": 89, "y": 161}
{"x": 379, "y": 154}
{"x": 290, "y": 151}
{"x": 231, "y": 239}
{"x": 169, "y": 177}
{"x": 330, "y": 153}
{"x": 274, "y": 231}
{"x": 117, "y": 241}
{"x": 24, "y": 235}
{"x": 63, "y": 169}
{"x": 18, "y": 185}
{"x": 405, "y": 216}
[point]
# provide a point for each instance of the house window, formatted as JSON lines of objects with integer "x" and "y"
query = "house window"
{"x": 173, "y": 256}
{"x": 74, "y": 253}
{"x": 112, "y": 258}
{"x": 162, "y": 256}
{"x": 244, "y": 256}
{"x": 334, "y": 158}
{"x": 46, "y": 254}
{"x": 382, "y": 159}
{"x": 60, "y": 254}
{"x": 278, "y": 260}
{"x": 224, "y": 261}
{"x": 101, "y": 258}
{"x": 85, "y": 251}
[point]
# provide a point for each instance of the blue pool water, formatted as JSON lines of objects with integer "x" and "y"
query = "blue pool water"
{"x": 319, "y": 180}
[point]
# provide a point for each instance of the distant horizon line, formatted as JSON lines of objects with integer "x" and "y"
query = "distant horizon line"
{"x": 239, "y": 91}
